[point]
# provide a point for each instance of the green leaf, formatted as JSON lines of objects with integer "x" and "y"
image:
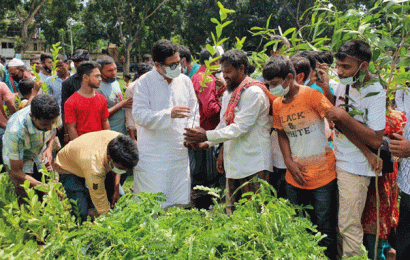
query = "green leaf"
{"x": 210, "y": 49}
{"x": 218, "y": 31}
{"x": 288, "y": 31}
{"x": 371, "y": 94}
{"x": 214, "y": 20}
{"x": 403, "y": 52}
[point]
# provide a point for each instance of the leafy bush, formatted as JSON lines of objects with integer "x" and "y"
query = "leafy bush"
{"x": 263, "y": 227}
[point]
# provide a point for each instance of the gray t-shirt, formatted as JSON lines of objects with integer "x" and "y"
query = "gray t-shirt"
{"x": 112, "y": 92}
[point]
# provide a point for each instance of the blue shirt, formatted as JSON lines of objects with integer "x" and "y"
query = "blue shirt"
{"x": 54, "y": 86}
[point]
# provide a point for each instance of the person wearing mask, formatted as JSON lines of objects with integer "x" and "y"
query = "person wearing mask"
{"x": 164, "y": 104}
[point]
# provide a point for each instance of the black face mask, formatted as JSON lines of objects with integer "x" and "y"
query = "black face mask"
{"x": 47, "y": 69}
{"x": 17, "y": 78}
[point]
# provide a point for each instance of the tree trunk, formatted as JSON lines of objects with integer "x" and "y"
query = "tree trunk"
{"x": 126, "y": 68}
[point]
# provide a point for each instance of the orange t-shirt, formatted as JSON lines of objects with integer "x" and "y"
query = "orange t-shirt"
{"x": 304, "y": 125}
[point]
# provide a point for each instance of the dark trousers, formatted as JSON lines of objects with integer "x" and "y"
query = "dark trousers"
{"x": 324, "y": 213}
{"x": 278, "y": 182}
{"x": 403, "y": 229}
{"x": 76, "y": 190}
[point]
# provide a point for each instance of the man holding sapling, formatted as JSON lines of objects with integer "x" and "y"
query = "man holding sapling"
{"x": 28, "y": 141}
{"x": 164, "y": 104}
{"x": 97, "y": 160}
{"x": 354, "y": 164}
{"x": 244, "y": 128}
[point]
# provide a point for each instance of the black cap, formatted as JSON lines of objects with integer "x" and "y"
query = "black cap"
{"x": 80, "y": 55}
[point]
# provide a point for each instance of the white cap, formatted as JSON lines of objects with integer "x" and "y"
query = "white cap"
{"x": 16, "y": 63}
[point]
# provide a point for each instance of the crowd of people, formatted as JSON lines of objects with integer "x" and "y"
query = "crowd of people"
{"x": 309, "y": 124}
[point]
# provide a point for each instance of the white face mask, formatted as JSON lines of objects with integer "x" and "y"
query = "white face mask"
{"x": 279, "y": 91}
{"x": 350, "y": 80}
{"x": 118, "y": 171}
{"x": 173, "y": 73}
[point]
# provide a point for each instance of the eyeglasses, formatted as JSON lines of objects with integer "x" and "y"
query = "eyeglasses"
{"x": 174, "y": 65}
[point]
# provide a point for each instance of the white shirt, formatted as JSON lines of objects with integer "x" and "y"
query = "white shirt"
{"x": 247, "y": 143}
{"x": 403, "y": 100}
{"x": 348, "y": 156}
{"x": 163, "y": 165}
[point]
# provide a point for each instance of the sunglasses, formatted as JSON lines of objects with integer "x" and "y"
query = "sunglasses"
{"x": 174, "y": 65}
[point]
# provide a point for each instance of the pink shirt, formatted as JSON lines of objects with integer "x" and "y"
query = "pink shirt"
{"x": 5, "y": 95}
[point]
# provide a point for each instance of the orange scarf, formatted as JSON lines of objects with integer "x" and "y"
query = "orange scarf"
{"x": 229, "y": 115}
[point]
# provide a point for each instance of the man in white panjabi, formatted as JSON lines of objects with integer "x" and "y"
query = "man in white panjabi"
{"x": 164, "y": 103}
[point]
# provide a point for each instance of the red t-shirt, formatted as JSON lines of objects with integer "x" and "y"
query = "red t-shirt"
{"x": 87, "y": 113}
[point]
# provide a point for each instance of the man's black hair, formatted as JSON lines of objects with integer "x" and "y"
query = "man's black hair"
{"x": 45, "y": 56}
{"x": 2, "y": 58}
{"x": 34, "y": 58}
{"x": 184, "y": 52}
{"x": 127, "y": 76}
{"x": 123, "y": 151}
{"x": 355, "y": 48}
{"x": 325, "y": 57}
{"x": 281, "y": 41}
{"x": 162, "y": 50}
{"x": 86, "y": 67}
{"x": 278, "y": 66}
{"x": 105, "y": 60}
{"x": 144, "y": 68}
{"x": 146, "y": 57}
{"x": 80, "y": 55}
{"x": 62, "y": 57}
{"x": 310, "y": 56}
{"x": 45, "y": 107}
{"x": 206, "y": 55}
{"x": 301, "y": 64}
{"x": 236, "y": 58}
{"x": 25, "y": 86}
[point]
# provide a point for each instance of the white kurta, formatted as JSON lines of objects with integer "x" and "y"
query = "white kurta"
{"x": 164, "y": 164}
{"x": 247, "y": 143}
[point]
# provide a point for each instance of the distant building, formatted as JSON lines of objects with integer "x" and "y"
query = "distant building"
{"x": 8, "y": 43}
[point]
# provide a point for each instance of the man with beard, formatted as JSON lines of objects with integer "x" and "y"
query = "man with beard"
{"x": 47, "y": 65}
{"x": 18, "y": 70}
{"x": 244, "y": 128}
{"x": 86, "y": 110}
{"x": 111, "y": 90}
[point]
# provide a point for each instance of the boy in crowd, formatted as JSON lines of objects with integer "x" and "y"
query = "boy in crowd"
{"x": 86, "y": 110}
{"x": 26, "y": 87}
{"x": 298, "y": 116}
